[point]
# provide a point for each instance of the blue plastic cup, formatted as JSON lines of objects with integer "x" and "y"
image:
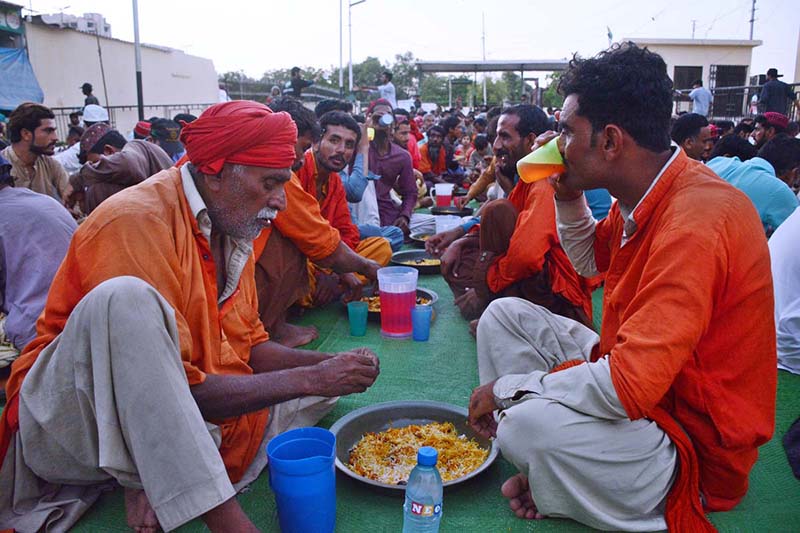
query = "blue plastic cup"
{"x": 421, "y": 322}
{"x": 303, "y": 477}
{"x": 357, "y": 314}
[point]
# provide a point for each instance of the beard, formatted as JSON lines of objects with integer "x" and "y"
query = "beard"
{"x": 231, "y": 220}
{"x": 508, "y": 166}
{"x": 49, "y": 149}
{"x": 231, "y": 223}
{"x": 333, "y": 164}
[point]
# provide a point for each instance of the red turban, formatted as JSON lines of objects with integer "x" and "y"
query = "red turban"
{"x": 241, "y": 132}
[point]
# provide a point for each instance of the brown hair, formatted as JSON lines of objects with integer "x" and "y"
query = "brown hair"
{"x": 27, "y": 116}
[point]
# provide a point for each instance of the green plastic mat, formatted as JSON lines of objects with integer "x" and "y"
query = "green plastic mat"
{"x": 445, "y": 369}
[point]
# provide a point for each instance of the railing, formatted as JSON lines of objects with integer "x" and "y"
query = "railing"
{"x": 736, "y": 103}
{"x": 124, "y": 117}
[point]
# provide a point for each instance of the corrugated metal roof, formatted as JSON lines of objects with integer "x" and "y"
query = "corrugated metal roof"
{"x": 493, "y": 65}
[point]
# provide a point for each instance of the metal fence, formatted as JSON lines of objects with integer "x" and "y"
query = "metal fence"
{"x": 124, "y": 117}
{"x": 736, "y": 103}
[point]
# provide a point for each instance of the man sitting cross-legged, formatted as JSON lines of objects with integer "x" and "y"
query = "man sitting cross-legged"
{"x": 661, "y": 416}
{"x": 151, "y": 367}
{"x": 319, "y": 177}
{"x": 298, "y": 235}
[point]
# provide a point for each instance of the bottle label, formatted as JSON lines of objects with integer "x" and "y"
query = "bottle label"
{"x": 420, "y": 509}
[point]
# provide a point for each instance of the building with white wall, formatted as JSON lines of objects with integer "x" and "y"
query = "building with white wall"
{"x": 63, "y": 59}
{"x": 89, "y": 22}
{"x": 717, "y": 62}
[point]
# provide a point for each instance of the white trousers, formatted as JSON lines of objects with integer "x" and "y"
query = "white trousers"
{"x": 107, "y": 401}
{"x": 611, "y": 474}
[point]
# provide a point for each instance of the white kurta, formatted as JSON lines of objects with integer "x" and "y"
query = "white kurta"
{"x": 784, "y": 248}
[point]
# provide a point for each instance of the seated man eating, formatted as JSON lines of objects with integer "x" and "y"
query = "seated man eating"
{"x": 658, "y": 419}
{"x": 319, "y": 176}
{"x": 298, "y": 235}
{"x": 151, "y": 367}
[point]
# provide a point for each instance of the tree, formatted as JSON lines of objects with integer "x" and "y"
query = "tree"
{"x": 496, "y": 92}
{"x": 404, "y": 75}
{"x": 433, "y": 89}
{"x": 550, "y": 96}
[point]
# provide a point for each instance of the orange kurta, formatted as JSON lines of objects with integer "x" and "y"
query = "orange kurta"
{"x": 149, "y": 232}
{"x": 333, "y": 204}
{"x": 303, "y": 224}
{"x": 688, "y": 323}
{"x": 535, "y": 240}
{"x": 427, "y": 166}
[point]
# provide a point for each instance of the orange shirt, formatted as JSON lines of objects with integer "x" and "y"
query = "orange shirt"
{"x": 688, "y": 322}
{"x": 149, "y": 232}
{"x": 302, "y": 223}
{"x": 535, "y": 240}
{"x": 333, "y": 203}
{"x": 426, "y": 166}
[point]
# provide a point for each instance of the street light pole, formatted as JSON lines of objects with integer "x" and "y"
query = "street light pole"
{"x": 350, "y": 37}
{"x": 138, "y": 53}
{"x": 483, "y": 41}
{"x": 341, "y": 72}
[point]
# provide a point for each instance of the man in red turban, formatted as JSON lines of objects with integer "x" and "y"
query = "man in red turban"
{"x": 151, "y": 368}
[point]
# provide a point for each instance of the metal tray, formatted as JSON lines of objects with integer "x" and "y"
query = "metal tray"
{"x": 406, "y": 258}
{"x": 420, "y": 238}
{"x": 379, "y": 417}
{"x": 452, "y": 210}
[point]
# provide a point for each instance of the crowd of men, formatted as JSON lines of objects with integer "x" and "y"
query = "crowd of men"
{"x": 148, "y": 292}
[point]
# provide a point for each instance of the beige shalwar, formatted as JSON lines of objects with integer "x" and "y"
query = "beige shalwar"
{"x": 567, "y": 431}
{"x": 108, "y": 400}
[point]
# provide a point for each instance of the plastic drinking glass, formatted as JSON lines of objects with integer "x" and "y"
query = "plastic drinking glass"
{"x": 421, "y": 322}
{"x": 357, "y": 313}
{"x": 303, "y": 476}
{"x": 541, "y": 163}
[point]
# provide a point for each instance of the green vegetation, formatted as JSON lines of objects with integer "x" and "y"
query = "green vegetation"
{"x": 406, "y": 78}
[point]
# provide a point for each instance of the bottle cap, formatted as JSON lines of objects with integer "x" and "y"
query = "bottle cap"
{"x": 427, "y": 456}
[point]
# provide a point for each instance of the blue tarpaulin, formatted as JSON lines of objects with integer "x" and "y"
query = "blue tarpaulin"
{"x": 17, "y": 81}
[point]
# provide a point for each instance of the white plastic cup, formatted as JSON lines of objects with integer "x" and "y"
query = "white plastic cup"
{"x": 398, "y": 290}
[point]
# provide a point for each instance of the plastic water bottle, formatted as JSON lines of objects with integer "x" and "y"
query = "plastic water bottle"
{"x": 422, "y": 510}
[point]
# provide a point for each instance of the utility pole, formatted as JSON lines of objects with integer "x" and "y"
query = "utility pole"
{"x": 450, "y": 92}
{"x": 341, "y": 65}
{"x": 138, "y": 53}
{"x": 350, "y": 36}
{"x": 483, "y": 44}
{"x": 752, "y": 18}
{"x": 694, "y": 24}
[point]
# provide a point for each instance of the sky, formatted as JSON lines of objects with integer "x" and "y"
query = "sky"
{"x": 259, "y": 35}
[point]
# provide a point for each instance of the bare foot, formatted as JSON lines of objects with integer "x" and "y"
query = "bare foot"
{"x": 141, "y": 516}
{"x": 293, "y": 336}
{"x": 518, "y": 492}
{"x": 473, "y": 327}
{"x": 228, "y": 516}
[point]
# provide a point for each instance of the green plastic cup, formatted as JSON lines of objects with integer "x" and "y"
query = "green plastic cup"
{"x": 357, "y": 315}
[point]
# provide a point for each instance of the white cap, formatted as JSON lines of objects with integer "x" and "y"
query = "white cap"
{"x": 95, "y": 113}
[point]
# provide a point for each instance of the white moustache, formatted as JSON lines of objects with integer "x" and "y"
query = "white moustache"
{"x": 267, "y": 213}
